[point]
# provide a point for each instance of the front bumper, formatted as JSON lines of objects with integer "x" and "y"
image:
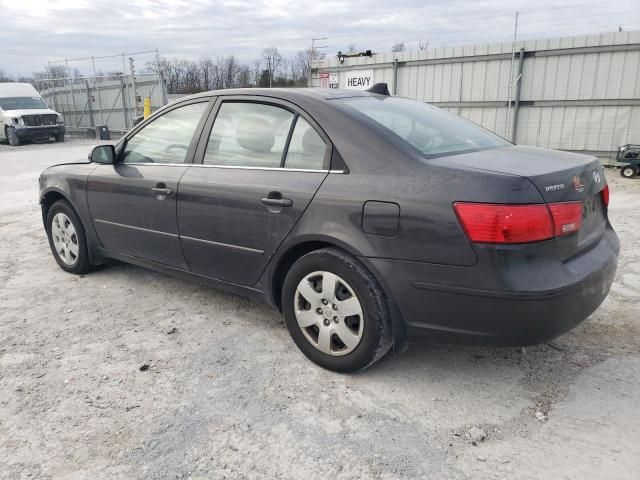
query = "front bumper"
{"x": 40, "y": 133}
{"x": 507, "y": 299}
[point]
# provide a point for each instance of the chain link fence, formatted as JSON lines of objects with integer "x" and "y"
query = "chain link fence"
{"x": 114, "y": 101}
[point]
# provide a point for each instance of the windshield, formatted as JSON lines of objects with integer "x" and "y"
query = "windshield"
{"x": 432, "y": 131}
{"x": 22, "y": 103}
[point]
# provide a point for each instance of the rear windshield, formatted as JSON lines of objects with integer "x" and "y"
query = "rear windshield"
{"x": 22, "y": 103}
{"x": 432, "y": 131}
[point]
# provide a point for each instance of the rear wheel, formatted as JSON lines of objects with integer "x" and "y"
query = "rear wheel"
{"x": 67, "y": 238}
{"x": 12, "y": 136}
{"x": 629, "y": 171}
{"x": 59, "y": 137}
{"x": 335, "y": 311}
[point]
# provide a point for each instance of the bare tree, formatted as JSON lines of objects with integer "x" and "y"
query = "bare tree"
{"x": 422, "y": 43}
{"x": 229, "y": 71}
{"x": 352, "y": 48}
{"x": 303, "y": 61}
{"x": 398, "y": 47}
{"x": 256, "y": 72}
{"x": 5, "y": 78}
{"x": 272, "y": 60}
{"x": 206, "y": 72}
{"x": 243, "y": 76}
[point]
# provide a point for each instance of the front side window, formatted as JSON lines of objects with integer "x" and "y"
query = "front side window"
{"x": 432, "y": 131}
{"x": 248, "y": 135}
{"x": 167, "y": 138}
{"x": 306, "y": 148}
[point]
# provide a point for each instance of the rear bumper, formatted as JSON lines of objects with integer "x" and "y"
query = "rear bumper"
{"x": 506, "y": 299}
{"x": 39, "y": 133}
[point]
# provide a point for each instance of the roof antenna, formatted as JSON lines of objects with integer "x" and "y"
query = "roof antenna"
{"x": 380, "y": 89}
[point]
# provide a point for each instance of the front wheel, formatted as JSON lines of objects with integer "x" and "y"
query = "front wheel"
{"x": 67, "y": 238}
{"x": 335, "y": 311}
{"x": 12, "y": 136}
{"x": 629, "y": 171}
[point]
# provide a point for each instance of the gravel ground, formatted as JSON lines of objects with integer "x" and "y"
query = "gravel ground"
{"x": 227, "y": 395}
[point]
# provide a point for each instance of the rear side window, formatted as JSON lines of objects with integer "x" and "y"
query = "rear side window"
{"x": 248, "y": 135}
{"x": 432, "y": 131}
{"x": 306, "y": 148}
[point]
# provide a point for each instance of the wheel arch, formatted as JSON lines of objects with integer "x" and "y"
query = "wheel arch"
{"x": 293, "y": 252}
{"x": 51, "y": 196}
{"x": 48, "y": 198}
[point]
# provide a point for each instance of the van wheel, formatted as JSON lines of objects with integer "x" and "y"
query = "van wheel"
{"x": 12, "y": 136}
{"x": 629, "y": 171}
{"x": 335, "y": 311}
{"x": 59, "y": 138}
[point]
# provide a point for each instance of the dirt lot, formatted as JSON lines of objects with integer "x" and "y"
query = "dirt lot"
{"x": 228, "y": 395}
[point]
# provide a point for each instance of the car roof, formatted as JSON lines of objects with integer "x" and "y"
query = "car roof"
{"x": 286, "y": 93}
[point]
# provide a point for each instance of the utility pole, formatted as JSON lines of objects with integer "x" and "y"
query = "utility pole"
{"x": 513, "y": 57}
{"x": 313, "y": 55}
{"x": 135, "y": 88}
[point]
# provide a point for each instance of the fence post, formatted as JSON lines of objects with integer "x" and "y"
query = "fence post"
{"x": 91, "y": 121}
{"x": 395, "y": 76}
{"x": 73, "y": 95}
{"x": 124, "y": 104}
{"x": 516, "y": 106}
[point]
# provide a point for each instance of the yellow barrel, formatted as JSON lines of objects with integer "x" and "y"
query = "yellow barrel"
{"x": 147, "y": 107}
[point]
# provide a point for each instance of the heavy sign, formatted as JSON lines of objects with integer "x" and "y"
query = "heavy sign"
{"x": 358, "y": 79}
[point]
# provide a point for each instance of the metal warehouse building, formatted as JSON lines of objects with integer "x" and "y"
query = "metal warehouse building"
{"x": 575, "y": 93}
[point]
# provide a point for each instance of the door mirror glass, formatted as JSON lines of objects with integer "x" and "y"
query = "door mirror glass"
{"x": 103, "y": 154}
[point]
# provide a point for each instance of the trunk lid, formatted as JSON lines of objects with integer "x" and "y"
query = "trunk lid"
{"x": 558, "y": 176}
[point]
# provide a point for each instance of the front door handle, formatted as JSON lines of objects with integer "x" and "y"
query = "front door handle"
{"x": 160, "y": 191}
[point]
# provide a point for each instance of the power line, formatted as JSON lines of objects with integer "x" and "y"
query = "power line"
{"x": 101, "y": 57}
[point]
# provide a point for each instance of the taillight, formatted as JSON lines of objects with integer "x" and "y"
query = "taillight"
{"x": 567, "y": 217}
{"x": 498, "y": 223}
{"x": 605, "y": 195}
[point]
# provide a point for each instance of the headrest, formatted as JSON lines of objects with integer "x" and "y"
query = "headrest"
{"x": 255, "y": 134}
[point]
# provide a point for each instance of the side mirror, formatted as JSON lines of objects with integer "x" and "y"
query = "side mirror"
{"x": 105, "y": 154}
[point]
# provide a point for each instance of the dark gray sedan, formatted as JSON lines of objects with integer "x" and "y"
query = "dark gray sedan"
{"x": 370, "y": 221}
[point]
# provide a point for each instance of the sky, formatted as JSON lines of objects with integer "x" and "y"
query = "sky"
{"x": 33, "y": 32}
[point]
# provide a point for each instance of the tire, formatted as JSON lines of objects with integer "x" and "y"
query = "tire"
{"x": 67, "y": 238}
{"x": 327, "y": 334}
{"x": 629, "y": 171}
{"x": 59, "y": 138}
{"x": 12, "y": 136}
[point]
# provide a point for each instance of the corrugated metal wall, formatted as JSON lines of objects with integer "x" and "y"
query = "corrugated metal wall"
{"x": 576, "y": 93}
{"x": 88, "y": 102}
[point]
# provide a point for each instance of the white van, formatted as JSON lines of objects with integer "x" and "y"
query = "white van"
{"x": 24, "y": 115}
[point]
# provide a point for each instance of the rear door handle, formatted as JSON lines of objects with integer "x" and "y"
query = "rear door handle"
{"x": 274, "y": 199}
{"x": 277, "y": 202}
